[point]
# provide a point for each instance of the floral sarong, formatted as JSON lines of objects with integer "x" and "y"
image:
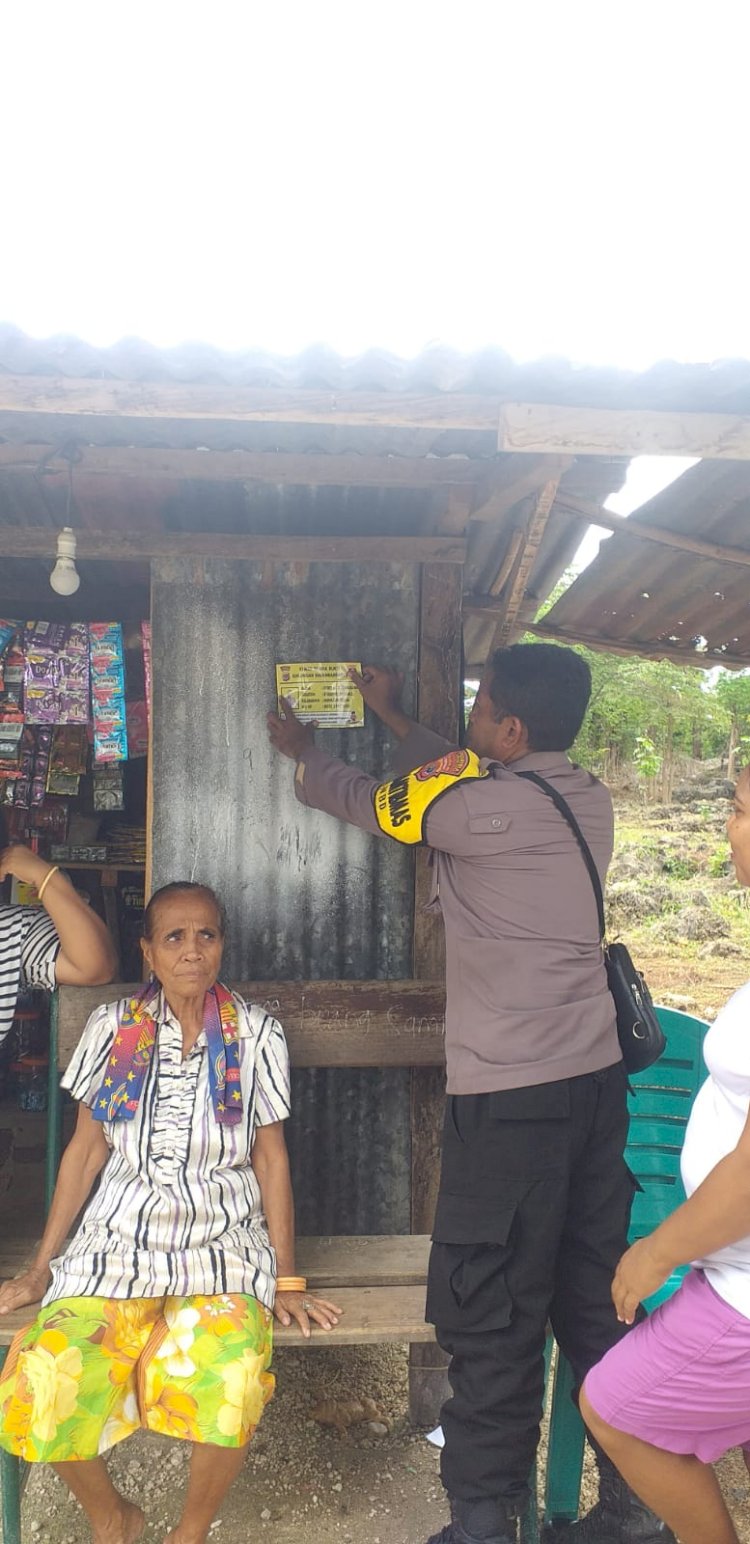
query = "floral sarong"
{"x": 92, "y": 1370}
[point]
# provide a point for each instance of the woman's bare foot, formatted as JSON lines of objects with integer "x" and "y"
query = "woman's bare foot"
{"x": 180, "y": 1536}
{"x": 124, "y": 1529}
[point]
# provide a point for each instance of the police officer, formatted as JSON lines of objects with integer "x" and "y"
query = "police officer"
{"x": 534, "y": 1201}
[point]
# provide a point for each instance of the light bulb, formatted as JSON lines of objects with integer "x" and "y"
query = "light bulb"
{"x": 65, "y": 578}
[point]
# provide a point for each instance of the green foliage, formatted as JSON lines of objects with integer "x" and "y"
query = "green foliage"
{"x": 646, "y": 756}
{"x": 718, "y": 863}
{"x": 644, "y": 711}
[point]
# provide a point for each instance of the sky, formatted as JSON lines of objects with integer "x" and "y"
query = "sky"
{"x": 553, "y": 178}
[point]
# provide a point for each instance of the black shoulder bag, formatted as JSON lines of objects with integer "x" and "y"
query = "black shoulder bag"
{"x": 642, "y": 1039}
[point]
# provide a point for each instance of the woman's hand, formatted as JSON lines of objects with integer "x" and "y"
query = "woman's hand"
{"x": 23, "y": 864}
{"x": 25, "y": 1289}
{"x": 638, "y": 1274}
{"x": 287, "y": 734}
{"x": 304, "y": 1306}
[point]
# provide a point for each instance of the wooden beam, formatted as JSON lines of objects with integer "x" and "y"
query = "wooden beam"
{"x": 515, "y": 543}
{"x": 69, "y": 398}
{"x": 275, "y": 467}
{"x": 528, "y": 556}
{"x": 137, "y": 546}
{"x": 625, "y": 525}
{"x": 327, "y": 1023}
{"x": 651, "y": 649}
{"x": 512, "y": 479}
{"x": 534, "y": 427}
{"x": 439, "y": 707}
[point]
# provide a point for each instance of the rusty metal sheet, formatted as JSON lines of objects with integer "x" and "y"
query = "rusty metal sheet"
{"x": 307, "y": 896}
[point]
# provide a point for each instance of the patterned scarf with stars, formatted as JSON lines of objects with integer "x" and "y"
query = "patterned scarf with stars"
{"x": 133, "y": 1048}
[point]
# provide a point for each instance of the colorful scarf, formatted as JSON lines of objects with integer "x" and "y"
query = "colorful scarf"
{"x": 133, "y": 1048}
{"x": 402, "y": 806}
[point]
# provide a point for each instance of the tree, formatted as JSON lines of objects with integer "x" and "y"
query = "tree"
{"x": 733, "y": 692}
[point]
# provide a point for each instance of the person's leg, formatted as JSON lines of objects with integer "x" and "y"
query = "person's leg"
{"x": 582, "y": 1314}
{"x": 679, "y": 1488}
{"x": 595, "y": 1234}
{"x": 212, "y": 1470}
{"x": 113, "y": 1519}
{"x": 500, "y": 1211}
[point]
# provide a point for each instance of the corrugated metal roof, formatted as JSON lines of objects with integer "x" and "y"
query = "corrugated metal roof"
{"x": 650, "y": 598}
{"x": 139, "y": 502}
{"x": 721, "y": 386}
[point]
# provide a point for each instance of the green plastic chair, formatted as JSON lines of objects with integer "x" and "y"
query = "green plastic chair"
{"x": 660, "y": 1104}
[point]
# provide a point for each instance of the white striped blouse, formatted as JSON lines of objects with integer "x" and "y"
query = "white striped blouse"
{"x": 178, "y": 1210}
{"x": 29, "y": 947}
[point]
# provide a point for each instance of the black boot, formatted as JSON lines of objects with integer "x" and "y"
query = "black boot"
{"x": 618, "y": 1517}
{"x": 478, "y": 1522}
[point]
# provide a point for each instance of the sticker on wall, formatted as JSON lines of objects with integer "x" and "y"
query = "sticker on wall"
{"x": 322, "y": 693}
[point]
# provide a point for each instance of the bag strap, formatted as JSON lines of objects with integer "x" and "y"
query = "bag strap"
{"x": 562, "y": 805}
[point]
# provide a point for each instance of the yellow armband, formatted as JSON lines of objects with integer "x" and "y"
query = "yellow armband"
{"x": 402, "y": 806}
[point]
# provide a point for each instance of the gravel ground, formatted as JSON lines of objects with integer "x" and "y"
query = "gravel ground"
{"x": 372, "y": 1481}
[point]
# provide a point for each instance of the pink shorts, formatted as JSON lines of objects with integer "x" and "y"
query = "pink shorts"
{"x": 681, "y": 1379}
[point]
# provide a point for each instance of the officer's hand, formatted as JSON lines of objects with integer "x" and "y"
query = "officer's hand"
{"x": 287, "y": 734}
{"x": 381, "y": 688}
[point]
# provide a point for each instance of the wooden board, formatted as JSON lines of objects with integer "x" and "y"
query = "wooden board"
{"x": 249, "y": 404}
{"x": 379, "y": 1261}
{"x": 540, "y": 427}
{"x": 372, "y": 1316}
{"x": 529, "y": 551}
{"x": 279, "y": 468}
{"x": 327, "y": 1023}
{"x": 136, "y": 546}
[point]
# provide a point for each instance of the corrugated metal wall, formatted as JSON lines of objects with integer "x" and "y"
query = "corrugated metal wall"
{"x": 307, "y": 897}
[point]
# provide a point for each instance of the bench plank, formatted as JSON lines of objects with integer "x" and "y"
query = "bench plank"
{"x": 327, "y": 1023}
{"x": 377, "y": 1260}
{"x": 372, "y": 1316}
{"x": 379, "y": 1280}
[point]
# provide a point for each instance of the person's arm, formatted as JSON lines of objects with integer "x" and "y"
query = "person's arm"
{"x": 382, "y": 689}
{"x": 717, "y": 1214}
{"x": 84, "y": 1158}
{"x": 271, "y": 1166}
{"x": 87, "y": 954}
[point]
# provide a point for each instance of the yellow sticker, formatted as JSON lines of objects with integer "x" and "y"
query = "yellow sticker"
{"x": 322, "y": 692}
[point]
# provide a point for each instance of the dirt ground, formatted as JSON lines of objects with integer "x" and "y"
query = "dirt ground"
{"x": 305, "y": 1483}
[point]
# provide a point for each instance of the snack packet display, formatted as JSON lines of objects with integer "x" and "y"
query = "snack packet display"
{"x": 108, "y": 692}
{"x": 137, "y": 720}
{"x": 146, "y": 636}
{"x": 67, "y": 760}
{"x": 56, "y": 673}
{"x": 108, "y": 788}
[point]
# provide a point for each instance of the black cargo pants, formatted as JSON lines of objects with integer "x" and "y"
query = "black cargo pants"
{"x": 532, "y": 1217}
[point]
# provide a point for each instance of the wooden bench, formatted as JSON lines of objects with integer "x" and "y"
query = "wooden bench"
{"x": 378, "y": 1281}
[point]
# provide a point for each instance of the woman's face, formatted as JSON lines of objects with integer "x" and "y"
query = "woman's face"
{"x": 186, "y": 946}
{"x": 738, "y": 828}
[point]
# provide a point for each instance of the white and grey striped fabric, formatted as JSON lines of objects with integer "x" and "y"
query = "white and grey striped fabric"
{"x": 178, "y": 1211}
{"x": 29, "y": 947}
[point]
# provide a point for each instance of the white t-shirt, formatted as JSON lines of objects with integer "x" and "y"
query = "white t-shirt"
{"x": 714, "y": 1129}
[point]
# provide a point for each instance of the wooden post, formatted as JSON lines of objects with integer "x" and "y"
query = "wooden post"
{"x": 439, "y": 707}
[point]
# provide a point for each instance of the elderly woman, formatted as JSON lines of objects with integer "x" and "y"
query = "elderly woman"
{"x": 159, "y": 1311}
{"x": 60, "y": 941}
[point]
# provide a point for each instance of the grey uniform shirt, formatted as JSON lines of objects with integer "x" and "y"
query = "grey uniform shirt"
{"x": 526, "y": 991}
